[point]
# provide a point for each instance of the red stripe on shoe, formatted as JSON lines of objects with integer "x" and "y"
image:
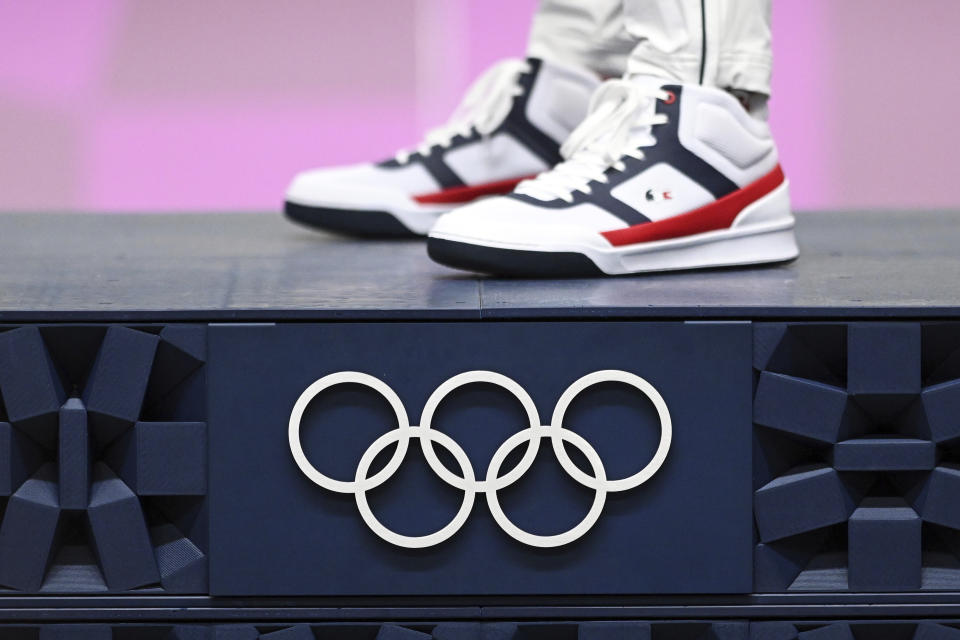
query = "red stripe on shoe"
{"x": 712, "y": 217}
{"x": 459, "y": 195}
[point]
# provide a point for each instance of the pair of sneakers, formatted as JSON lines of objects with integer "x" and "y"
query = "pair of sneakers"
{"x": 545, "y": 171}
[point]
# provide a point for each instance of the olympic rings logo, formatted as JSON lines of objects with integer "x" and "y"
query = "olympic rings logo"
{"x": 467, "y": 481}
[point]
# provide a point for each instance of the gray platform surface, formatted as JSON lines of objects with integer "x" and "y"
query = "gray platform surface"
{"x": 259, "y": 267}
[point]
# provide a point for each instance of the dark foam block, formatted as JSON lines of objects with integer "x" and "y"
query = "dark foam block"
{"x": 934, "y": 631}
{"x": 942, "y": 495}
{"x": 74, "y": 348}
{"x": 767, "y": 338}
{"x": 119, "y": 533}
{"x": 941, "y": 404}
{"x": 298, "y": 632}
{"x": 773, "y": 631}
{"x": 74, "y": 450}
{"x": 778, "y": 347}
{"x": 118, "y": 380}
{"x": 31, "y": 388}
{"x": 28, "y": 531}
{"x": 826, "y": 572}
{"x": 162, "y": 458}
{"x": 883, "y": 358}
{"x": 614, "y": 630}
{"x": 456, "y": 631}
{"x": 884, "y": 550}
{"x": 181, "y": 351}
{"x": 774, "y": 570}
{"x": 171, "y": 458}
{"x": 777, "y": 564}
{"x": 393, "y": 632}
{"x": 498, "y": 631}
{"x": 190, "y": 340}
{"x": 234, "y": 632}
{"x": 20, "y": 456}
{"x": 728, "y": 631}
{"x": 74, "y": 568}
{"x": 884, "y": 454}
{"x": 805, "y": 499}
{"x": 474, "y": 631}
{"x": 189, "y": 632}
{"x": 836, "y": 631}
{"x": 803, "y": 407}
{"x": 122, "y": 456}
{"x": 182, "y": 565}
{"x": 76, "y": 632}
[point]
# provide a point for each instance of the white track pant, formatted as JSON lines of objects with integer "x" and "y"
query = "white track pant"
{"x": 721, "y": 43}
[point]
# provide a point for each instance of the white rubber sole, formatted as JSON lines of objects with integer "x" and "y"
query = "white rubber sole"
{"x": 762, "y": 233}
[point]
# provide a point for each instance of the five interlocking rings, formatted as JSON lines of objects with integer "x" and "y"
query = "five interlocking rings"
{"x": 467, "y": 482}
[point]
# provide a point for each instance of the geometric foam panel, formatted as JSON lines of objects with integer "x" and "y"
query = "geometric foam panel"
{"x": 626, "y": 630}
{"x": 844, "y": 630}
{"x": 586, "y": 630}
{"x": 884, "y": 546}
{"x": 103, "y": 455}
{"x": 856, "y": 463}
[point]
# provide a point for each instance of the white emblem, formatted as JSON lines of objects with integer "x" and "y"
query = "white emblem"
{"x": 466, "y": 481}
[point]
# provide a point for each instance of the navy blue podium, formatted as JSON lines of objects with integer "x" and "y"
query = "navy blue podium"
{"x": 223, "y": 426}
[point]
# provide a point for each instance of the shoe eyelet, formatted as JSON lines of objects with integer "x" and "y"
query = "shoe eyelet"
{"x": 671, "y": 98}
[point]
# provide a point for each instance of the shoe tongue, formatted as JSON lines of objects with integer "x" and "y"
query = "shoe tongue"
{"x": 648, "y": 84}
{"x": 639, "y": 132}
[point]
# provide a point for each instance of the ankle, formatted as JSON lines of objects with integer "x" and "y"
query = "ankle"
{"x": 753, "y": 102}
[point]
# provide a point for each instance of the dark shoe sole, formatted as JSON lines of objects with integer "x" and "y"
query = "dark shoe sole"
{"x": 511, "y": 262}
{"x": 351, "y": 222}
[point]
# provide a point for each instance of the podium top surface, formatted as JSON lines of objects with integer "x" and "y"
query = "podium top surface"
{"x": 259, "y": 267}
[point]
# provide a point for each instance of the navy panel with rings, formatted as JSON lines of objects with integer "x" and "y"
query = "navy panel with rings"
{"x": 480, "y": 459}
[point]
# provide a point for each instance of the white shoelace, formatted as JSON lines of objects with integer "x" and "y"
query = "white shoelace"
{"x": 484, "y": 108}
{"x": 621, "y": 115}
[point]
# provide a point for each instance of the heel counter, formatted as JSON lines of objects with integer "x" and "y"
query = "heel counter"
{"x": 772, "y": 210}
{"x": 715, "y": 126}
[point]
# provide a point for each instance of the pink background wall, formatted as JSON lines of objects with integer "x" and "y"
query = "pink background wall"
{"x": 182, "y": 105}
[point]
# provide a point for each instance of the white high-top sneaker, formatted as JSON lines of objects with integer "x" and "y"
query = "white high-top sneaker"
{"x": 658, "y": 177}
{"x": 508, "y": 128}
